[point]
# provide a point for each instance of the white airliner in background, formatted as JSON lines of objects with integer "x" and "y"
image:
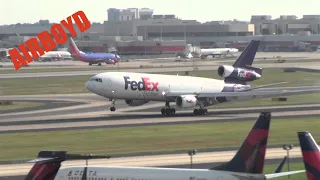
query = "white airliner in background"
{"x": 51, "y": 55}
{"x": 186, "y": 91}
{"x": 217, "y": 52}
{"x": 247, "y": 164}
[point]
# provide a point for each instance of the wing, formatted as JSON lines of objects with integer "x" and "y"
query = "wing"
{"x": 276, "y": 175}
{"x": 252, "y": 94}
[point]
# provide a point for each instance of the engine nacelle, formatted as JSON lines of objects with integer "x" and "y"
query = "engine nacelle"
{"x": 238, "y": 73}
{"x": 186, "y": 101}
{"x": 136, "y": 102}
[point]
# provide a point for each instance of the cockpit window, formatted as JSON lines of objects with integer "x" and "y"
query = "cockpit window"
{"x": 96, "y": 79}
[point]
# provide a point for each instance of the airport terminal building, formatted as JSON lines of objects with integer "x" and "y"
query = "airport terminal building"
{"x": 135, "y": 31}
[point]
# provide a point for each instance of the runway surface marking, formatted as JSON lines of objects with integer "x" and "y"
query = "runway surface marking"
{"x": 108, "y": 114}
{"x": 142, "y": 121}
{"x": 150, "y": 70}
{"x": 91, "y": 105}
{"x": 157, "y": 160}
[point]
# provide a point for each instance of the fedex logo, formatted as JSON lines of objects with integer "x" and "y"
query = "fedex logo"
{"x": 144, "y": 85}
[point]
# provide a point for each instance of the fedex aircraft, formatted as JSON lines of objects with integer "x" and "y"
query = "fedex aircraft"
{"x": 217, "y": 51}
{"x": 92, "y": 58}
{"x": 310, "y": 154}
{"x": 186, "y": 91}
{"x": 247, "y": 164}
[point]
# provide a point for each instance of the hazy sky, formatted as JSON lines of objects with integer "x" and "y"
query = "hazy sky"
{"x": 30, "y": 11}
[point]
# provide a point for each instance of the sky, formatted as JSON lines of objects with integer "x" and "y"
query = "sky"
{"x": 31, "y": 11}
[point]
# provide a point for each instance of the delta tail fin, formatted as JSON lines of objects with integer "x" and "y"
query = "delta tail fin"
{"x": 311, "y": 155}
{"x": 251, "y": 155}
{"x": 48, "y": 163}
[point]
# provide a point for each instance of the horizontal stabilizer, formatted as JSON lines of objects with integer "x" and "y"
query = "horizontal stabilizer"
{"x": 276, "y": 175}
{"x": 264, "y": 86}
{"x": 50, "y": 156}
{"x": 280, "y": 167}
{"x": 255, "y": 69}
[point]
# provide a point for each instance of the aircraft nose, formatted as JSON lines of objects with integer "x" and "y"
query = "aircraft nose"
{"x": 88, "y": 86}
{"x": 258, "y": 76}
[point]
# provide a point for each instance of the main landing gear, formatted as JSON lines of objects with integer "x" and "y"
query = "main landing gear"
{"x": 113, "y": 108}
{"x": 200, "y": 111}
{"x": 167, "y": 110}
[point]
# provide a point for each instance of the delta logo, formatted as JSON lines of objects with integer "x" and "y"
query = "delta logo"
{"x": 144, "y": 85}
{"x": 47, "y": 41}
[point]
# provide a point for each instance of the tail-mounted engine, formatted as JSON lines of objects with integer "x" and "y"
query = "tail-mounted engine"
{"x": 136, "y": 102}
{"x": 243, "y": 74}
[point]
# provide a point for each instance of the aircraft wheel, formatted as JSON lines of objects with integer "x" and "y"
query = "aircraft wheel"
{"x": 90, "y": 64}
{"x": 163, "y": 111}
{"x": 173, "y": 110}
{"x": 99, "y": 64}
{"x": 112, "y": 108}
{"x": 195, "y": 112}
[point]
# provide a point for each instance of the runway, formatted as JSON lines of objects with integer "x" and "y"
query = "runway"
{"x": 168, "y": 67}
{"x": 91, "y": 111}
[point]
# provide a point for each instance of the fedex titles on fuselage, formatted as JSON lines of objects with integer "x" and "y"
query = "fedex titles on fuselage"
{"x": 144, "y": 85}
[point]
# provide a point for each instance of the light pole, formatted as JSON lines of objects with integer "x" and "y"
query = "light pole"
{"x": 288, "y": 147}
{"x": 191, "y": 153}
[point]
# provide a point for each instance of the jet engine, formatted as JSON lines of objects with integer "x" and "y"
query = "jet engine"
{"x": 186, "y": 101}
{"x": 238, "y": 73}
{"x": 136, "y": 102}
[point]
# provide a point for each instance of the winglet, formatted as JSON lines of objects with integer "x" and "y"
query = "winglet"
{"x": 280, "y": 166}
{"x": 251, "y": 155}
{"x": 311, "y": 155}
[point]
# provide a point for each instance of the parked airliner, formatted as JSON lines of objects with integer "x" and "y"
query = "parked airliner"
{"x": 217, "y": 52}
{"x": 92, "y": 58}
{"x": 247, "y": 164}
{"x": 310, "y": 154}
{"x": 186, "y": 91}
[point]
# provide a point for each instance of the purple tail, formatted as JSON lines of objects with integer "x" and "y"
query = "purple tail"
{"x": 250, "y": 157}
{"x": 247, "y": 56}
{"x": 311, "y": 155}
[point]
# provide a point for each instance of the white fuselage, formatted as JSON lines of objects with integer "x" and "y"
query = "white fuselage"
{"x": 218, "y": 51}
{"x": 142, "y": 86}
{"x": 146, "y": 173}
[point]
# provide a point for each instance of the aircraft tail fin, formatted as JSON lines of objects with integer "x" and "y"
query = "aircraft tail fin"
{"x": 251, "y": 155}
{"x": 48, "y": 163}
{"x": 311, "y": 155}
{"x": 247, "y": 56}
{"x": 73, "y": 48}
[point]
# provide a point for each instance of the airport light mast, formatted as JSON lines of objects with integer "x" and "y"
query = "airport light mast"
{"x": 288, "y": 147}
{"x": 191, "y": 153}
